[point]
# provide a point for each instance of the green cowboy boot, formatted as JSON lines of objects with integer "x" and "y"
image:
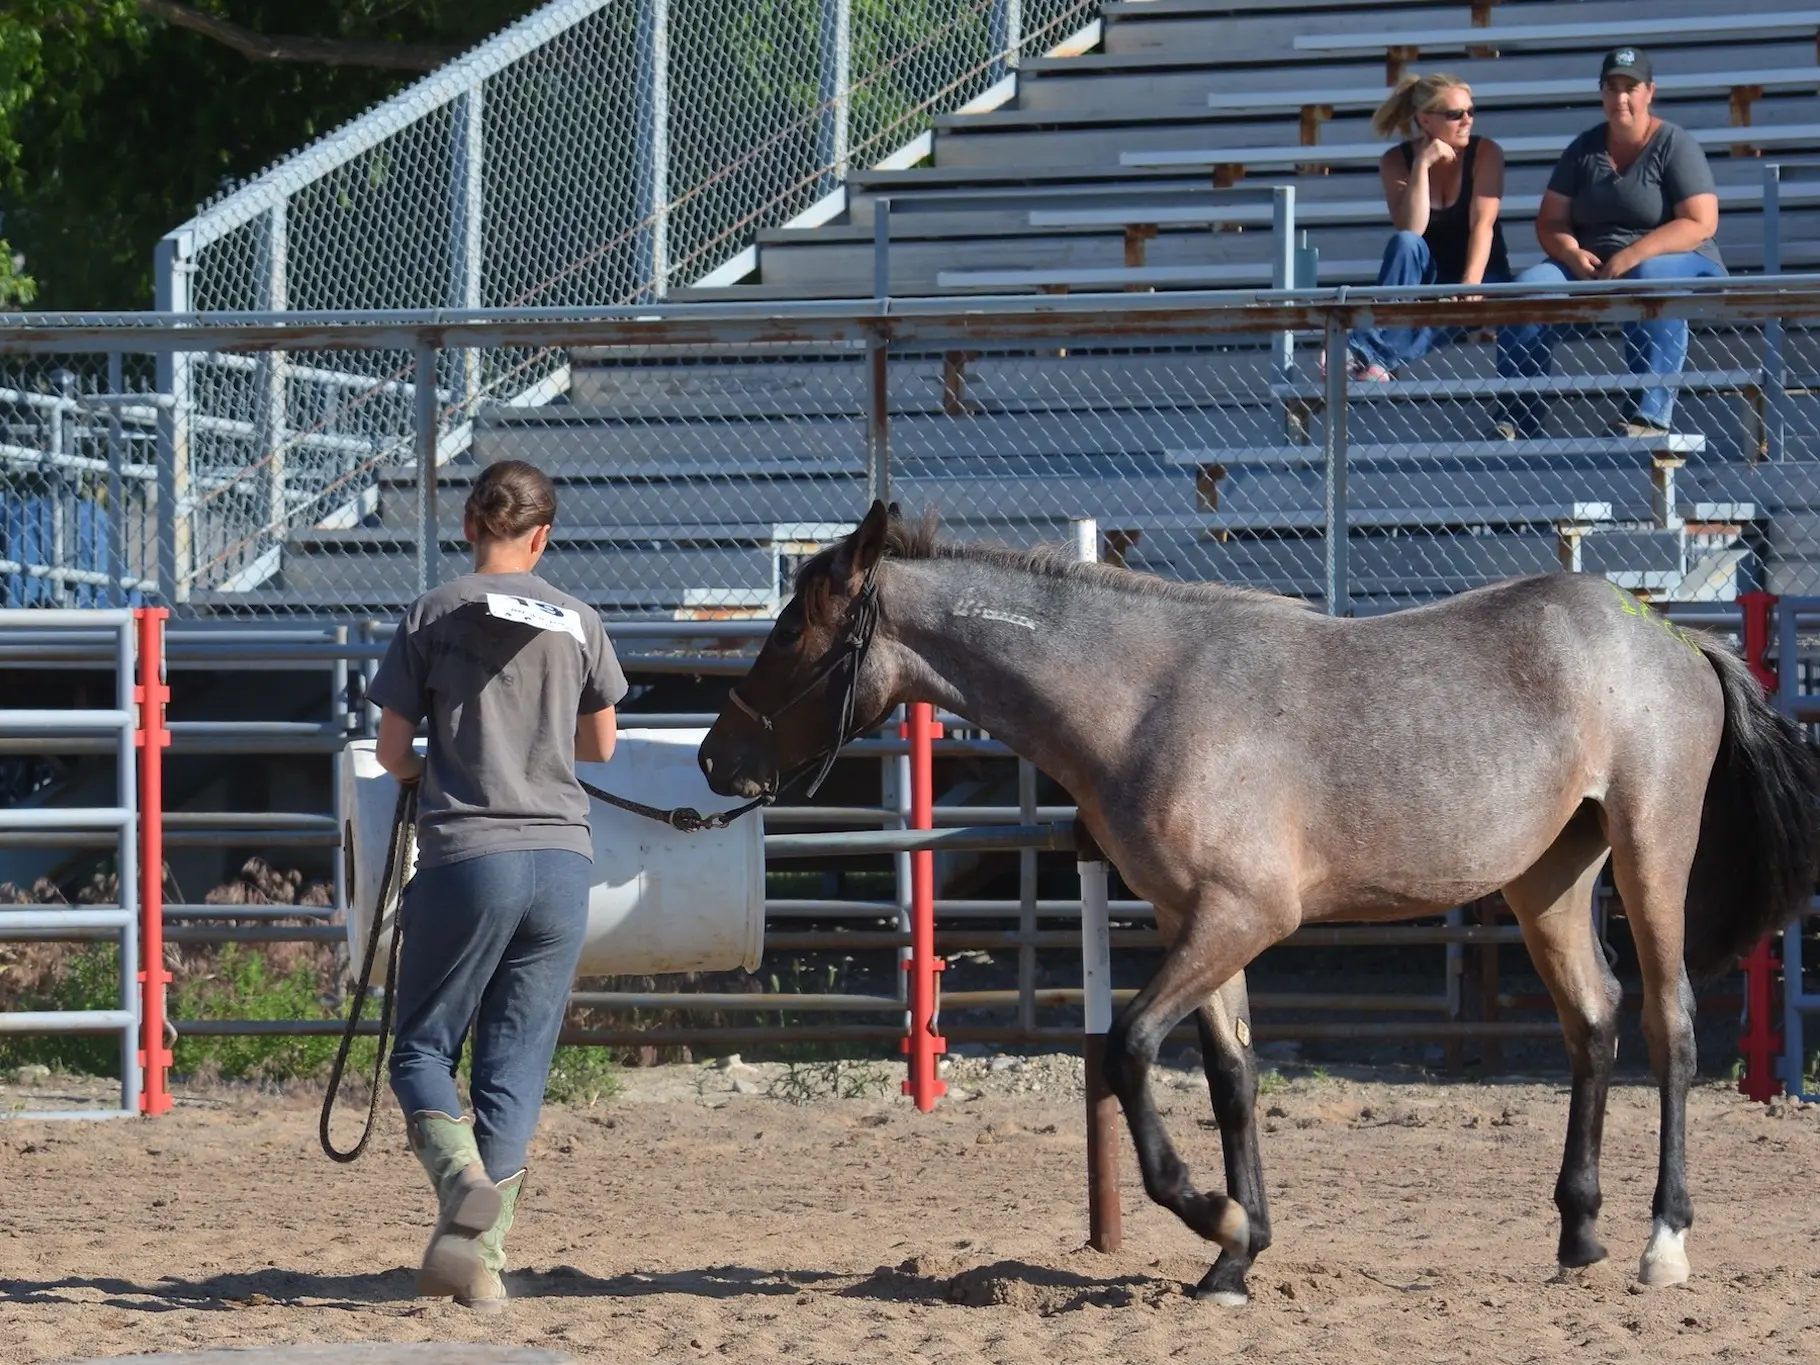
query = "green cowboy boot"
{"x": 489, "y": 1293}
{"x": 467, "y": 1203}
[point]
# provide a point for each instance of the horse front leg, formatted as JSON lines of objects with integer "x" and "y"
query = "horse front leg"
{"x": 1211, "y": 949}
{"x": 1232, "y": 1081}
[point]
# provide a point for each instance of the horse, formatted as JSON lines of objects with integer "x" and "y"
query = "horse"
{"x": 1251, "y": 765}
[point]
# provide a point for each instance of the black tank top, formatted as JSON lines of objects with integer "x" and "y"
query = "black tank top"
{"x": 1448, "y": 227}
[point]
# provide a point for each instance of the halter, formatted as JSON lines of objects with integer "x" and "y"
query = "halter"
{"x": 848, "y": 653}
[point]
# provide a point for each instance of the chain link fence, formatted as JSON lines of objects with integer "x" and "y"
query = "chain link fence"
{"x": 600, "y": 152}
{"x": 702, "y": 453}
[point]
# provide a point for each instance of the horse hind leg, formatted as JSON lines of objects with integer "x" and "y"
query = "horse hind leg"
{"x": 1213, "y": 946}
{"x": 1553, "y": 903}
{"x": 1652, "y": 854}
{"x": 1232, "y": 1080}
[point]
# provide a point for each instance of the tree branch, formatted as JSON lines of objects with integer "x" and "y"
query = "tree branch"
{"x": 266, "y": 47}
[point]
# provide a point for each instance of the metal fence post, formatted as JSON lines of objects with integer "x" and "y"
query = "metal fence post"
{"x": 652, "y": 147}
{"x": 63, "y": 489}
{"x": 836, "y": 91}
{"x": 467, "y": 205}
{"x": 171, "y": 272}
{"x": 1006, "y": 37}
{"x": 269, "y": 400}
{"x": 113, "y": 526}
{"x": 1282, "y": 269}
{"x": 153, "y": 695}
{"x": 1105, "y": 1219}
{"x": 1333, "y": 451}
{"x": 1775, "y": 401}
{"x": 429, "y": 547}
{"x": 878, "y": 362}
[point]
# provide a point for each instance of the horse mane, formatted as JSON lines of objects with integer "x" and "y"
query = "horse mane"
{"x": 921, "y": 539}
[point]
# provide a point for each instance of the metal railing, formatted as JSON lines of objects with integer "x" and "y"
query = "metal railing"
{"x": 715, "y": 446}
{"x": 116, "y": 824}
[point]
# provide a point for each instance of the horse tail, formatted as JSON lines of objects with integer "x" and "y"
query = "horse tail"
{"x": 1759, "y": 851}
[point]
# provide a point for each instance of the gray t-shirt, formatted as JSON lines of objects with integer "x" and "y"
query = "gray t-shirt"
{"x": 502, "y": 664}
{"x": 1610, "y": 211}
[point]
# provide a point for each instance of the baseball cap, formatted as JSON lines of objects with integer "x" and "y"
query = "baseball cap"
{"x": 1627, "y": 61}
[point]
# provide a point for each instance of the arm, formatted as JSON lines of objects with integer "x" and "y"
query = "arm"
{"x": 1555, "y": 231}
{"x": 596, "y": 735}
{"x": 1406, "y": 191}
{"x": 1696, "y": 219}
{"x": 394, "y": 750}
{"x": 1487, "y": 196}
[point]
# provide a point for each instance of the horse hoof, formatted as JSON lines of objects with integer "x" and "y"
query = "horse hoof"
{"x": 1224, "y": 1298}
{"x": 1665, "y": 1258}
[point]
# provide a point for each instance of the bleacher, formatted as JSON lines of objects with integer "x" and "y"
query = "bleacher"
{"x": 685, "y": 474}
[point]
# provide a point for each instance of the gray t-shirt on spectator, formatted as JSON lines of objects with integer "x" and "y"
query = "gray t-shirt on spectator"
{"x": 502, "y": 664}
{"x": 1610, "y": 211}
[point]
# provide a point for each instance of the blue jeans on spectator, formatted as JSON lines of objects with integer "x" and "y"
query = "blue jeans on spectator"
{"x": 491, "y": 941}
{"x": 1407, "y": 260}
{"x": 1526, "y": 350}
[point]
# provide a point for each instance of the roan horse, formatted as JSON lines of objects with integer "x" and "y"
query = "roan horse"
{"x": 1250, "y": 765}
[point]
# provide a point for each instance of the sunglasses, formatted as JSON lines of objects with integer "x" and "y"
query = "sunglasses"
{"x": 1453, "y": 115}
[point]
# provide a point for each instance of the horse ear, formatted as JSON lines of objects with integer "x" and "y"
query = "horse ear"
{"x": 893, "y": 512}
{"x": 861, "y": 550}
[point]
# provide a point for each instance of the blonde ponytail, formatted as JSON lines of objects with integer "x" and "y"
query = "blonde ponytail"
{"x": 1413, "y": 95}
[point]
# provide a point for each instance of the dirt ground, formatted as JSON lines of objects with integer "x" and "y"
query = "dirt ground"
{"x": 745, "y": 1214}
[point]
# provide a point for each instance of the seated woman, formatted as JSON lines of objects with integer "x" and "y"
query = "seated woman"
{"x": 1631, "y": 198}
{"x": 1442, "y": 185}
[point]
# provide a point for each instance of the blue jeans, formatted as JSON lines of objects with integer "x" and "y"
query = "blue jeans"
{"x": 1407, "y": 260}
{"x": 1526, "y": 351}
{"x": 491, "y": 941}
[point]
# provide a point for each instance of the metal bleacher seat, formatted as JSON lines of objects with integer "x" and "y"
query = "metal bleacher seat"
{"x": 1403, "y": 44}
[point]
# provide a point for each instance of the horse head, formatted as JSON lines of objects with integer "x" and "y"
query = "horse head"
{"x": 810, "y": 689}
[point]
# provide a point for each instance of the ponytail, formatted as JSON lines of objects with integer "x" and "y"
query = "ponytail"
{"x": 1413, "y": 95}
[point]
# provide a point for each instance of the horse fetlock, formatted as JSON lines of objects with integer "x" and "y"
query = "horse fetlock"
{"x": 1219, "y": 1219}
{"x": 1665, "y": 1258}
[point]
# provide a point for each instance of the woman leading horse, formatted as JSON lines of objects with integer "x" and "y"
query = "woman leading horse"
{"x": 1251, "y": 766}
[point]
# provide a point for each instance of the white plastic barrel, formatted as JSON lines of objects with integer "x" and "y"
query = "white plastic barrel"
{"x": 659, "y": 900}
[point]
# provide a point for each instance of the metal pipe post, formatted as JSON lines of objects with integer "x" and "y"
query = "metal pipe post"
{"x": 1026, "y": 898}
{"x": 1104, "y": 1217}
{"x": 269, "y": 398}
{"x": 1282, "y": 269}
{"x": 652, "y": 147}
{"x": 171, "y": 272}
{"x": 1006, "y": 37}
{"x": 878, "y": 363}
{"x": 152, "y": 695}
{"x": 836, "y": 91}
{"x": 114, "y": 525}
{"x": 1775, "y": 399}
{"x": 126, "y": 867}
{"x": 428, "y": 433}
{"x": 924, "y": 1043}
{"x": 467, "y": 204}
{"x": 1333, "y": 451}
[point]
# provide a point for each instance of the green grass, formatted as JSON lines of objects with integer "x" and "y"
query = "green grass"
{"x": 243, "y": 985}
{"x": 90, "y": 980}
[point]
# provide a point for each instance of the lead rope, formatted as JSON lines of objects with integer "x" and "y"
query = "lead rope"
{"x": 397, "y": 856}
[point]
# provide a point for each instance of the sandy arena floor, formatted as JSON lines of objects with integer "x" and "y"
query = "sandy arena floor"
{"x": 688, "y": 1221}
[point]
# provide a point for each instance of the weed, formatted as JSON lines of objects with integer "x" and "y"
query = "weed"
{"x": 582, "y": 1075}
{"x": 807, "y": 1082}
{"x": 1272, "y": 1082}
